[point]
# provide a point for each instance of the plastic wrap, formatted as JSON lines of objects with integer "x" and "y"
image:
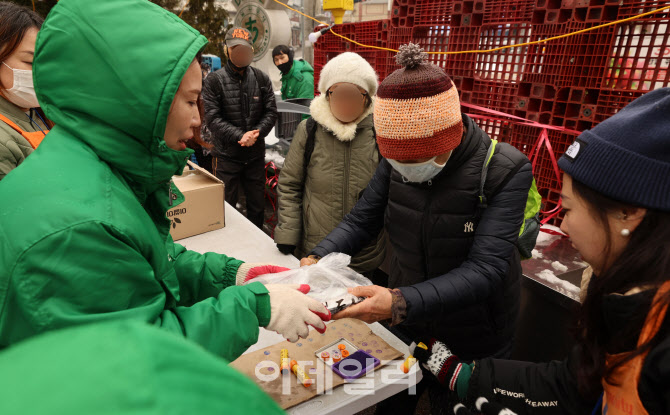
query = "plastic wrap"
{"x": 328, "y": 280}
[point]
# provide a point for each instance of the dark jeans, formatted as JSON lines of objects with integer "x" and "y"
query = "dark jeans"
{"x": 251, "y": 176}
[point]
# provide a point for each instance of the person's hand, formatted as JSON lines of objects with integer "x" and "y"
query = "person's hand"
{"x": 376, "y": 307}
{"x": 286, "y": 249}
{"x": 249, "y": 271}
{"x": 439, "y": 360}
{"x": 292, "y": 312}
{"x": 249, "y": 138}
{"x": 310, "y": 260}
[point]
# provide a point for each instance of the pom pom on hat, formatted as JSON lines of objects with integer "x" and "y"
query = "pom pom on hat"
{"x": 411, "y": 55}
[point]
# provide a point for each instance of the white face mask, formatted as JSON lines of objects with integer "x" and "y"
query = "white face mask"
{"x": 22, "y": 93}
{"x": 418, "y": 172}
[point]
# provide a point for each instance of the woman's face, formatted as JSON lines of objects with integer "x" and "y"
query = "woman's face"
{"x": 21, "y": 58}
{"x": 588, "y": 234}
{"x": 184, "y": 115}
{"x": 347, "y": 101}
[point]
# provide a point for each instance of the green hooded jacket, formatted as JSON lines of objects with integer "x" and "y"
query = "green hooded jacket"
{"x": 123, "y": 367}
{"x": 83, "y": 231}
{"x": 298, "y": 82}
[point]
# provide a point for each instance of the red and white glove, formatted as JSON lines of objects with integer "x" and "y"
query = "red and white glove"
{"x": 292, "y": 312}
{"x": 249, "y": 271}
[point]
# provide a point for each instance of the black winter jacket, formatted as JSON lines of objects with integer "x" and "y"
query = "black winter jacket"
{"x": 551, "y": 388}
{"x": 456, "y": 265}
{"x": 234, "y": 104}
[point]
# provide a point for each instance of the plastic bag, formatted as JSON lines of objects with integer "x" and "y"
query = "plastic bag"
{"x": 328, "y": 280}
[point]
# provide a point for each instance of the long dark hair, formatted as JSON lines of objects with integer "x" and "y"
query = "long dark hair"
{"x": 15, "y": 21}
{"x": 645, "y": 261}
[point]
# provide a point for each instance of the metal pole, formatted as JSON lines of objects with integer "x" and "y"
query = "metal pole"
{"x": 309, "y": 9}
{"x": 303, "y": 35}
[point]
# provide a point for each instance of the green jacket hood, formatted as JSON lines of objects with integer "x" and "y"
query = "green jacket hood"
{"x": 106, "y": 72}
{"x": 299, "y": 67}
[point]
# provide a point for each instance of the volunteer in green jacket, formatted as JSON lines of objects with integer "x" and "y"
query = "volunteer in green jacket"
{"x": 314, "y": 198}
{"x": 297, "y": 80}
{"x": 22, "y": 124}
{"x": 84, "y": 234}
{"x": 122, "y": 367}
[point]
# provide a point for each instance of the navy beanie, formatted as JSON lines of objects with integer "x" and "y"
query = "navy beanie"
{"x": 627, "y": 156}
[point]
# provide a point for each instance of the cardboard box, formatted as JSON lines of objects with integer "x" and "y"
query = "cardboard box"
{"x": 203, "y": 209}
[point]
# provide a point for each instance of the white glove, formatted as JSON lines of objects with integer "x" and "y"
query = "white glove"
{"x": 291, "y": 311}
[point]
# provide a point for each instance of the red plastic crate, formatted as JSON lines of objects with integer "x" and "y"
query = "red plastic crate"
{"x": 586, "y": 55}
{"x": 535, "y": 102}
{"x": 386, "y": 63}
{"x": 610, "y": 102}
{"x": 372, "y": 33}
{"x": 330, "y": 42}
{"x": 446, "y": 38}
{"x": 496, "y": 129}
{"x": 508, "y": 11}
{"x": 433, "y": 39}
{"x": 551, "y": 12}
{"x": 460, "y": 39}
{"x": 630, "y": 8}
{"x": 549, "y": 63}
{"x": 402, "y": 14}
{"x": 432, "y": 12}
{"x": 525, "y": 138}
{"x": 508, "y": 64}
{"x": 639, "y": 59}
{"x": 499, "y": 96}
{"x": 575, "y": 108}
{"x": 550, "y": 201}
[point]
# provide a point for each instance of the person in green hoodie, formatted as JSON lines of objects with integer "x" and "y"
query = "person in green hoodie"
{"x": 83, "y": 233}
{"x": 122, "y": 367}
{"x": 297, "y": 80}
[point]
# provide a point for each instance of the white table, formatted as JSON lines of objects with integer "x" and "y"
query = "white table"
{"x": 241, "y": 239}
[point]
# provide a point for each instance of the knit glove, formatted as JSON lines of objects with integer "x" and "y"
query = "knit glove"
{"x": 451, "y": 372}
{"x": 286, "y": 249}
{"x": 292, "y": 312}
{"x": 248, "y": 271}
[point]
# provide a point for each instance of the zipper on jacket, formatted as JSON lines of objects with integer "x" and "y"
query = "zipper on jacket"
{"x": 424, "y": 230}
{"x": 345, "y": 188}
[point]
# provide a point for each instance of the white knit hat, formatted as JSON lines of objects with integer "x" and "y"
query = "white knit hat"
{"x": 348, "y": 67}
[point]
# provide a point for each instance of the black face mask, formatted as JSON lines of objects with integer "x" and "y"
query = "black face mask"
{"x": 285, "y": 67}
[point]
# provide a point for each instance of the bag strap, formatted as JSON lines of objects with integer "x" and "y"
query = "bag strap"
{"x": 311, "y": 126}
{"x": 483, "y": 202}
{"x": 11, "y": 124}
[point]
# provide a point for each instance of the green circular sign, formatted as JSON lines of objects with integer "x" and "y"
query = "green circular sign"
{"x": 254, "y": 18}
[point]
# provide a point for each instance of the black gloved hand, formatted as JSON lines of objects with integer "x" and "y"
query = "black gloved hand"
{"x": 286, "y": 249}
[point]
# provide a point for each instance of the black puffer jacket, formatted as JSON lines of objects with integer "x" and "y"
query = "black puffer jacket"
{"x": 458, "y": 270}
{"x": 234, "y": 104}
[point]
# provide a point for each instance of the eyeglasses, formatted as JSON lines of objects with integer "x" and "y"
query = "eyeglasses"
{"x": 345, "y": 95}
